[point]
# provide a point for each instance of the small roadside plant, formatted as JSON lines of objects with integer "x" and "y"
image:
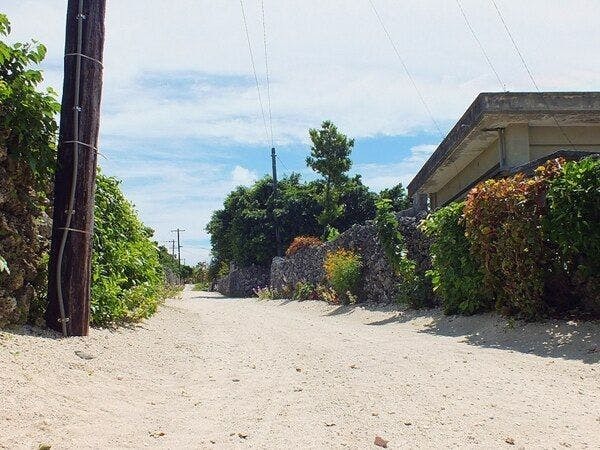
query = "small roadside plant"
{"x": 327, "y": 294}
{"x": 302, "y": 242}
{"x": 343, "y": 270}
{"x": 331, "y": 233}
{"x": 456, "y": 276}
{"x": 4, "y": 265}
{"x": 202, "y": 286}
{"x": 304, "y": 291}
{"x": 412, "y": 288}
{"x": 265, "y": 293}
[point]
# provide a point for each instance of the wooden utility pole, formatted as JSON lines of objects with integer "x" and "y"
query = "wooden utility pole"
{"x": 178, "y": 245}
{"x": 172, "y": 242}
{"x": 275, "y": 224}
{"x": 69, "y": 274}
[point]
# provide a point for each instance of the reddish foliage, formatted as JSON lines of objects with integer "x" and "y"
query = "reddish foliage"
{"x": 504, "y": 224}
{"x": 301, "y": 242}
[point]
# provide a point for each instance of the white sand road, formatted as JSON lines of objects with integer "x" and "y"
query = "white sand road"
{"x": 212, "y": 372}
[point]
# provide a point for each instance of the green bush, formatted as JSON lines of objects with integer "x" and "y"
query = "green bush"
{"x": 342, "y": 268}
{"x": 455, "y": 275}
{"x": 413, "y": 289}
{"x": 127, "y": 280}
{"x": 27, "y": 116}
{"x": 573, "y": 224}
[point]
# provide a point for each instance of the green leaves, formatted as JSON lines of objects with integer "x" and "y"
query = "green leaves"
{"x": 4, "y": 25}
{"x": 456, "y": 276}
{"x": 28, "y": 114}
{"x": 127, "y": 274}
{"x": 412, "y": 287}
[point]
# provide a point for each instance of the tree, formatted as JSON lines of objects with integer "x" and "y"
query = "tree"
{"x": 330, "y": 157}
{"x": 357, "y": 201}
{"x": 398, "y": 197}
{"x": 242, "y": 232}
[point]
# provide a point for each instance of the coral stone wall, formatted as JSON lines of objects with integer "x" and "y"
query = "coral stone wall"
{"x": 378, "y": 282}
{"x": 242, "y": 282}
{"x": 24, "y": 231}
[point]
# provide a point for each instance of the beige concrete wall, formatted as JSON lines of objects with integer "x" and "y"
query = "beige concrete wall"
{"x": 517, "y": 144}
{"x": 546, "y": 140}
{"x": 475, "y": 169}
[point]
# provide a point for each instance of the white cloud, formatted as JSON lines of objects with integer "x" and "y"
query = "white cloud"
{"x": 328, "y": 59}
{"x": 240, "y": 176}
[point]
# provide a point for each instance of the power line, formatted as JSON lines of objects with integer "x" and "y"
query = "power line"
{"x": 515, "y": 45}
{"x": 262, "y": 109}
{"x": 283, "y": 164}
{"x": 528, "y": 70}
{"x": 410, "y": 77}
{"x": 489, "y": 61}
{"x": 264, "y": 27}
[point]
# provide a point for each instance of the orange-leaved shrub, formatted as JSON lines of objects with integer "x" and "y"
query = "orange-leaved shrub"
{"x": 301, "y": 242}
{"x": 503, "y": 222}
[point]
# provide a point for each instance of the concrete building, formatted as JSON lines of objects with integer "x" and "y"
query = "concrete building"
{"x": 503, "y": 133}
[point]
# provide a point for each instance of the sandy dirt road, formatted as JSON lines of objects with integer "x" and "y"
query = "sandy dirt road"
{"x": 211, "y": 372}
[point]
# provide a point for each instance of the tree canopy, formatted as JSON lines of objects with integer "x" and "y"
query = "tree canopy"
{"x": 242, "y": 231}
{"x": 330, "y": 157}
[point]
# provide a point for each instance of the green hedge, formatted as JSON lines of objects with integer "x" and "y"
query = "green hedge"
{"x": 456, "y": 276}
{"x": 573, "y": 225}
{"x": 127, "y": 279}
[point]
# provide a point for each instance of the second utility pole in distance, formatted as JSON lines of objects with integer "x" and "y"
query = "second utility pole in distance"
{"x": 178, "y": 245}
{"x": 275, "y": 224}
{"x": 172, "y": 242}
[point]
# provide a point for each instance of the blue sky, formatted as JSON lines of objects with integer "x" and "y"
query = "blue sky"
{"x": 181, "y": 123}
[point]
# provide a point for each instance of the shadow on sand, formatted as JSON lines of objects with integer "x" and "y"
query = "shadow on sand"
{"x": 567, "y": 339}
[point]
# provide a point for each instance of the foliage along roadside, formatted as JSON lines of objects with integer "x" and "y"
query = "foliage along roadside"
{"x": 127, "y": 276}
{"x": 27, "y": 150}
{"x": 342, "y": 271}
{"x": 456, "y": 276}
{"x": 527, "y": 247}
{"x": 413, "y": 289}
{"x": 27, "y": 115}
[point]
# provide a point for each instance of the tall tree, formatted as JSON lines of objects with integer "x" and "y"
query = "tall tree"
{"x": 330, "y": 157}
{"x": 397, "y": 195}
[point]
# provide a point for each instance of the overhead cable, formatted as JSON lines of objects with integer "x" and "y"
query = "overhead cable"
{"x": 487, "y": 58}
{"x": 262, "y": 109}
{"x": 404, "y": 65}
{"x": 264, "y": 27}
